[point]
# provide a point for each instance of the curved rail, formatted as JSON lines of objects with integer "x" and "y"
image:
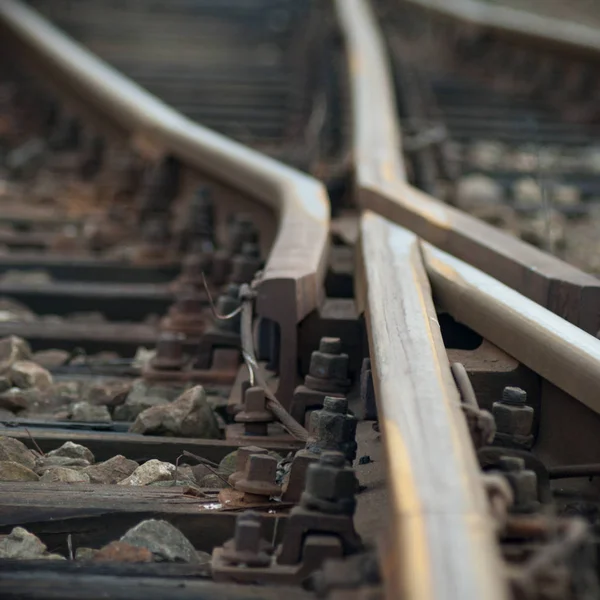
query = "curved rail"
{"x": 381, "y": 187}
{"x": 438, "y": 502}
{"x": 291, "y": 285}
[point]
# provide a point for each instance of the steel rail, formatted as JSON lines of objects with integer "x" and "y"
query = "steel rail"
{"x": 441, "y": 543}
{"x": 555, "y": 349}
{"x": 442, "y": 540}
{"x": 552, "y": 31}
{"x": 292, "y": 281}
{"x": 381, "y": 186}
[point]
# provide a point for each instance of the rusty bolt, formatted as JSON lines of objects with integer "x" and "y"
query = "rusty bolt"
{"x": 247, "y": 546}
{"x": 169, "y": 351}
{"x": 242, "y": 230}
{"x": 330, "y": 485}
{"x": 328, "y": 367}
{"x": 259, "y": 476}
{"x": 193, "y": 265}
{"x": 522, "y": 481}
{"x": 333, "y": 428}
{"x": 255, "y": 416}
{"x": 242, "y": 459}
{"x": 188, "y": 303}
{"x": 513, "y": 416}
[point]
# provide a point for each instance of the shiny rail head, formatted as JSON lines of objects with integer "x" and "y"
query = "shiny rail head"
{"x": 551, "y": 346}
{"x": 437, "y": 496}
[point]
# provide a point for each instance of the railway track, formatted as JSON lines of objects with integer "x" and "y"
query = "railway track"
{"x": 374, "y": 405}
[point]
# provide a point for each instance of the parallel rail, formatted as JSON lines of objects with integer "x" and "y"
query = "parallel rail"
{"x": 438, "y": 502}
{"x": 294, "y": 273}
{"x": 416, "y": 399}
{"x": 563, "y": 289}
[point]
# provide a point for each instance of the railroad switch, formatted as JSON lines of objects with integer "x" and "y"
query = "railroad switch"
{"x": 326, "y": 511}
{"x": 327, "y": 376}
{"x": 514, "y": 419}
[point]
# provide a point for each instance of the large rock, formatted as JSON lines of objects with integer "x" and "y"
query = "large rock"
{"x": 88, "y": 413}
{"x": 13, "y": 471}
{"x": 26, "y": 374}
{"x": 149, "y": 472}
{"x": 12, "y": 349}
{"x": 65, "y": 392}
{"x": 5, "y": 384}
{"x": 72, "y": 450}
{"x": 11, "y": 311}
{"x": 51, "y": 359}
{"x": 164, "y": 541}
{"x": 19, "y": 543}
{"x": 124, "y": 553}
{"x": 189, "y": 416}
{"x": 17, "y": 400}
{"x": 64, "y": 475}
{"x": 43, "y": 463}
{"x": 478, "y": 190}
{"x": 107, "y": 393}
{"x": 142, "y": 397}
{"x": 16, "y": 451}
{"x": 111, "y": 471}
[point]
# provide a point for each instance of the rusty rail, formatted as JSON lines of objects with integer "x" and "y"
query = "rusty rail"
{"x": 382, "y": 187}
{"x": 291, "y": 285}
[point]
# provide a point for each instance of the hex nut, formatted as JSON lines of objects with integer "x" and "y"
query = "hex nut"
{"x": 330, "y": 485}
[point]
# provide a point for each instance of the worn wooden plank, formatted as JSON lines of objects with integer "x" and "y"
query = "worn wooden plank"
{"x": 552, "y": 347}
{"x": 105, "y": 445}
{"x": 52, "y": 583}
{"x": 381, "y": 186}
{"x": 97, "y": 514}
{"x": 442, "y": 539}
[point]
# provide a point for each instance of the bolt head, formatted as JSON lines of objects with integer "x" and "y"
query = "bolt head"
{"x": 261, "y": 467}
{"x": 335, "y": 405}
{"x": 254, "y": 400}
{"x": 514, "y": 396}
{"x": 330, "y": 345}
